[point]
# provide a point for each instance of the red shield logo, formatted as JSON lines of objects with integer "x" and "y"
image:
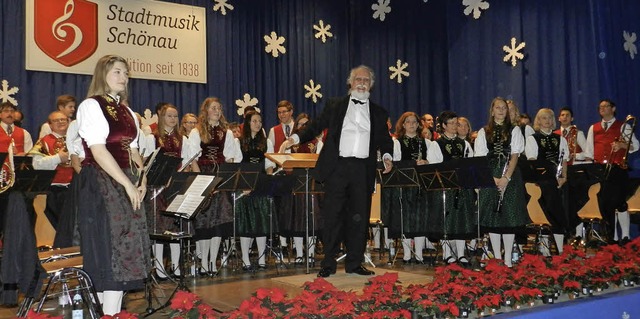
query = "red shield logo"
{"x": 66, "y": 30}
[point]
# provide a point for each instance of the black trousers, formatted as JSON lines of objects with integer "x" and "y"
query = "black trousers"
{"x": 613, "y": 196}
{"x": 346, "y": 213}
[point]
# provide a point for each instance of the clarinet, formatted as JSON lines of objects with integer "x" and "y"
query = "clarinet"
{"x": 501, "y": 198}
{"x": 559, "y": 168}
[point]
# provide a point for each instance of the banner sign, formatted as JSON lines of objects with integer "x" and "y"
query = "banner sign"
{"x": 160, "y": 40}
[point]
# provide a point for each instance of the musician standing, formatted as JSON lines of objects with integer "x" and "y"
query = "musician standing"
{"x": 576, "y": 191}
{"x": 503, "y": 211}
{"x": 551, "y": 149}
{"x": 49, "y": 153}
{"x": 607, "y": 143}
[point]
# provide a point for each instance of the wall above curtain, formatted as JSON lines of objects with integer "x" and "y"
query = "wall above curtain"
{"x": 428, "y": 56}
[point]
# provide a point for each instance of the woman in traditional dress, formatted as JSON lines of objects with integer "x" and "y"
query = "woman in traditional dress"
{"x": 188, "y": 123}
{"x": 552, "y": 151}
{"x": 170, "y": 140}
{"x": 253, "y": 211}
{"x": 460, "y": 222}
{"x": 404, "y": 207}
{"x": 503, "y": 211}
{"x": 113, "y": 227}
{"x": 464, "y": 129}
{"x": 217, "y": 146}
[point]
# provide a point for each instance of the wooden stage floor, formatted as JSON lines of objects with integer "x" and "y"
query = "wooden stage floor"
{"x": 226, "y": 291}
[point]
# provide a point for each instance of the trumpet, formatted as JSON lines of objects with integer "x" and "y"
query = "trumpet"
{"x": 8, "y": 172}
{"x": 626, "y": 136}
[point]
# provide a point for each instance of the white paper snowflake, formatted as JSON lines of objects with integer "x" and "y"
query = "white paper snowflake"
{"x": 149, "y": 118}
{"x": 630, "y": 43}
{"x": 313, "y": 91}
{"x": 6, "y": 93}
{"x": 475, "y": 6}
{"x": 513, "y": 53}
{"x": 381, "y": 9}
{"x": 399, "y": 71}
{"x": 247, "y": 100}
{"x": 323, "y": 31}
{"x": 222, "y": 6}
{"x": 274, "y": 44}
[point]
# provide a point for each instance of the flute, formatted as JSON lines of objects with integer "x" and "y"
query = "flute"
{"x": 504, "y": 171}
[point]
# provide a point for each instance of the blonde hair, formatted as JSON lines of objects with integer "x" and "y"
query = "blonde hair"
{"x": 99, "y": 85}
{"x": 203, "y": 119}
{"x": 185, "y": 118}
{"x": 161, "y": 122}
{"x": 542, "y": 112}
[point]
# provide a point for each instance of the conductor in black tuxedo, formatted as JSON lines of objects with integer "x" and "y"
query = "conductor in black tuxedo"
{"x": 357, "y": 129}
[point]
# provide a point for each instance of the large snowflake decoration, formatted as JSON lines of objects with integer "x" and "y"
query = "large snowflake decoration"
{"x": 313, "y": 91}
{"x": 323, "y": 31}
{"x": 475, "y": 6}
{"x": 222, "y": 6}
{"x": 274, "y": 44}
{"x": 630, "y": 43}
{"x": 398, "y": 71}
{"x": 6, "y": 93}
{"x": 149, "y": 118}
{"x": 247, "y": 100}
{"x": 381, "y": 9}
{"x": 513, "y": 52}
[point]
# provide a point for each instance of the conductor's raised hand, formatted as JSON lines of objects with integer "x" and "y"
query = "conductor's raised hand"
{"x": 286, "y": 145}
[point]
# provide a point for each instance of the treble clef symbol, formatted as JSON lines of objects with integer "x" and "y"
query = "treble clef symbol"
{"x": 60, "y": 34}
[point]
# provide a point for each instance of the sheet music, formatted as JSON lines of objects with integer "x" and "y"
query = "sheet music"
{"x": 189, "y": 202}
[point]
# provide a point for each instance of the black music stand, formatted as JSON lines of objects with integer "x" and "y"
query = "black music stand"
{"x": 33, "y": 182}
{"x": 23, "y": 163}
{"x": 272, "y": 186}
{"x": 308, "y": 186}
{"x": 185, "y": 205}
{"x": 462, "y": 173}
{"x": 238, "y": 177}
{"x": 402, "y": 175}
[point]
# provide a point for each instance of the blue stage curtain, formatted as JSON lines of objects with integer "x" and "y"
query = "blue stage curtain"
{"x": 573, "y": 57}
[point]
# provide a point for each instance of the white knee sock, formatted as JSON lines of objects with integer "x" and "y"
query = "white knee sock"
{"x": 245, "y": 244}
{"x": 580, "y": 230}
{"x": 158, "y": 260}
{"x": 376, "y": 236}
{"x": 205, "y": 245}
{"x": 559, "y": 242}
{"x": 312, "y": 245}
{"x": 508, "y": 248}
{"x": 261, "y": 242}
{"x": 429, "y": 245}
{"x": 460, "y": 246}
{"x": 495, "y": 245}
{"x": 418, "y": 243}
{"x": 175, "y": 258}
{"x": 112, "y": 303}
{"x": 298, "y": 244}
{"x": 406, "y": 249}
{"x": 213, "y": 250}
{"x": 625, "y": 223}
{"x": 446, "y": 250}
{"x": 283, "y": 241}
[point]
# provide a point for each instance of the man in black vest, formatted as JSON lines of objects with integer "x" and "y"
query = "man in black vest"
{"x": 357, "y": 129}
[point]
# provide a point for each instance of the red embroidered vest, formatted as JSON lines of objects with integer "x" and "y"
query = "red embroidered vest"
{"x": 122, "y": 131}
{"x": 51, "y": 145}
{"x": 278, "y": 132}
{"x": 18, "y": 140}
{"x": 572, "y": 141}
{"x": 602, "y": 143}
{"x": 170, "y": 143}
{"x": 212, "y": 152}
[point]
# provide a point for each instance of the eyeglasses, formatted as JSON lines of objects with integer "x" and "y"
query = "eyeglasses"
{"x": 60, "y": 120}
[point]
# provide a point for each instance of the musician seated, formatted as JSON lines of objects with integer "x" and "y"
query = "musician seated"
{"x": 50, "y": 153}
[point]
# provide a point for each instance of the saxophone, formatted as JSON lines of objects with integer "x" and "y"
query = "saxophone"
{"x": 8, "y": 172}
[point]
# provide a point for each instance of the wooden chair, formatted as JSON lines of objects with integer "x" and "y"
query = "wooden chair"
{"x": 539, "y": 222}
{"x": 590, "y": 215}
{"x": 634, "y": 202}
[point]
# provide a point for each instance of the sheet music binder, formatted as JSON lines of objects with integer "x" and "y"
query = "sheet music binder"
{"x": 467, "y": 173}
{"x": 33, "y": 181}
{"x": 273, "y": 185}
{"x": 538, "y": 170}
{"x": 160, "y": 164}
{"x": 188, "y": 202}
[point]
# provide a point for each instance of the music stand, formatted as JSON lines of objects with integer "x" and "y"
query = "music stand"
{"x": 402, "y": 175}
{"x": 22, "y": 163}
{"x": 289, "y": 161}
{"x": 271, "y": 186}
{"x": 309, "y": 188}
{"x": 185, "y": 205}
{"x": 238, "y": 177}
{"x": 580, "y": 178}
{"x": 461, "y": 173}
{"x": 33, "y": 182}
